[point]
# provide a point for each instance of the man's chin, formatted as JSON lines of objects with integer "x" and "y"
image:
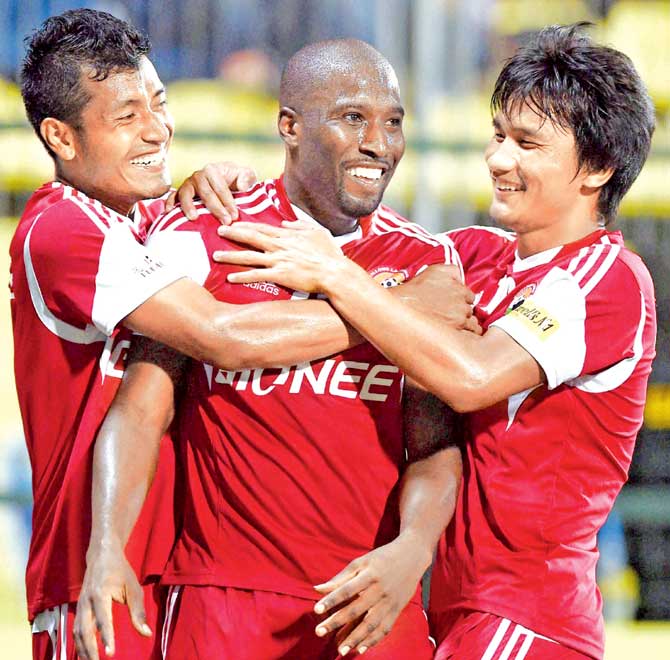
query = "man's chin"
{"x": 359, "y": 207}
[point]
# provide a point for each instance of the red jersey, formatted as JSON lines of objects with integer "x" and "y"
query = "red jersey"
{"x": 542, "y": 469}
{"x": 292, "y": 472}
{"x": 77, "y": 269}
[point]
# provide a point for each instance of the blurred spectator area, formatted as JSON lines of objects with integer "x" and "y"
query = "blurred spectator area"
{"x": 221, "y": 60}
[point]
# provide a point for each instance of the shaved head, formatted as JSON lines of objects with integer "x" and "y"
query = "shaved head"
{"x": 317, "y": 64}
{"x": 340, "y": 117}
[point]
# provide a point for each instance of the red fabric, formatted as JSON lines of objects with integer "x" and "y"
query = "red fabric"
{"x": 291, "y": 472}
{"x": 542, "y": 469}
{"x": 477, "y": 635}
{"x": 130, "y": 645}
{"x": 249, "y": 625}
{"x": 67, "y": 371}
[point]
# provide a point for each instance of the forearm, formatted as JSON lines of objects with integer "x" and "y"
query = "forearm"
{"x": 124, "y": 462}
{"x": 128, "y": 444}
{"x": 428, "y": 494}
{"x": 189, "y": 319}
{"x": 282, "y": 333}
{"x": 467, "y": 371}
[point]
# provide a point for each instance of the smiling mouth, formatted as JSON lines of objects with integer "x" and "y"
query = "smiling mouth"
{"x": 149, "y": 160}
{"x": 366, "y": 174}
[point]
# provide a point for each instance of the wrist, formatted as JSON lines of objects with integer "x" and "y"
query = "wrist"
{"x": 419, "y": 545}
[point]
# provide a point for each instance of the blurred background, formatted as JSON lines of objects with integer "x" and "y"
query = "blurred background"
{"x": 222, "y": 60}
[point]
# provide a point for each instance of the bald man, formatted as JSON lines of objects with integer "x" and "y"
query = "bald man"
{"x": 301, "y": 476}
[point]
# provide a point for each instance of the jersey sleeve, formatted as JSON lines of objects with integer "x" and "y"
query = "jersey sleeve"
{"x": 175, "y": 240}
{"x": 580, "y": 328}
{"x": 88, "y": 270}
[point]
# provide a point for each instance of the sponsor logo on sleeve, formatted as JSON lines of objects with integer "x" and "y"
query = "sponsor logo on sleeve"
{"x": 535, "y": 317}
{"x": 388, "y": 277}
{"x": 148, "y": 267}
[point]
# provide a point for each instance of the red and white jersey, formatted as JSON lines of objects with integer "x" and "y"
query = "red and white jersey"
{"x": 291, "y": 472}
{"x": 543, "y": 467}
{"x": 77, "y": 269}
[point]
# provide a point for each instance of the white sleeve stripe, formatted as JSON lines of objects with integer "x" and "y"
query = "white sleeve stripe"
{"x": 95, "y": 219}
{"x": 492, "y": 230}
{"x": 392, "y": 221}
{"x": 407, "y": 230}
{"x": 159, "y": 224}
{"x": 251, "y": 196}
{"x": 254, "y": 210}
{"x": 574, "y": 263}
{"x": 590, "y": 262}
{"x": 604, "y": 267}
{"x": 89, "y": 335}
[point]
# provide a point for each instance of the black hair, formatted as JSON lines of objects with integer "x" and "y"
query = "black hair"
{"x": 590, "y": 89}
{"x": 60, "y": 50}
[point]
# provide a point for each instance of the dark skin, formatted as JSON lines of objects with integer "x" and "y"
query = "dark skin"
{"x": 346, "y": 147}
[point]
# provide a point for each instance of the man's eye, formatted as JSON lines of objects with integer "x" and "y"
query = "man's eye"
{"x": 525, "y": 144}
{"x": 396, "y": 121}
{"x": 499, "y": 136}
{"x": 126, "y": 117}
{"x": 353, "y": 117}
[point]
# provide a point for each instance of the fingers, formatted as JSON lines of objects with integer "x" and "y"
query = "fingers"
{"x": 216, "y": 195}
{"x": 171, "y": 201}
{"x": 84, "y": 632}
{"x": 185, "y": 196}
{"x": 245, "y": 179}
{"x": 102, "y": 614}
{"x": 250, "y": 234}
{"x": 351, "y": 588}
{"x": 373, "y": 628}
{"x": 135, "y": 599}
{"x": 243, "y": 258}
{"x": 472, "y": 325}
{"x": 346, "y": 615}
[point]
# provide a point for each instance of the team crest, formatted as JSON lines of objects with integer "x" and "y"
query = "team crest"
{"x": 388, "y": 278}
{"x": 520, "y": 297}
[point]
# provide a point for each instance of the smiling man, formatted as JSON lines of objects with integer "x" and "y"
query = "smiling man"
{"x": 79, "y": 272}
{"x": 305, "y": 502}
{"x": 556, "y": 386}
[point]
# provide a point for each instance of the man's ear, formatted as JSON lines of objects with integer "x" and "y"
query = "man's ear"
{"x": 288, "y": 123}
{"x": 60, "y": 137}
{"x": 596, "y": 180}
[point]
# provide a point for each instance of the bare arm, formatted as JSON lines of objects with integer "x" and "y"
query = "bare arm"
{"x": 383, "y": 581}
{"x": 189, "y": 319}
{"x": 467, "y": 371}
{"x": 124, "y": 463}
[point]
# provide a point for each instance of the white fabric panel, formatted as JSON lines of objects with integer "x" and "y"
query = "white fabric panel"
{"x": 550, "y": 326}
{"x": 127, "y": 276}
{"x": 181, "y": 249}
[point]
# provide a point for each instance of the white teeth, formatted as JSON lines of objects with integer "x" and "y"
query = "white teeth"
{"x": 148, "y": 161}
{"x": 508, "y": 188}
{"x": 366, "y": 172}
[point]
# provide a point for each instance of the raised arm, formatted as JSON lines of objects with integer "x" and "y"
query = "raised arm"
{"x": 383, "y": 581}
{"x": 124, "y": 462}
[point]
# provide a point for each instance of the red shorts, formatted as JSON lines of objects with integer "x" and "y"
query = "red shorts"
{"x": 482, "y": 636}
{"x": 219, "y": 622}
{"x": 49, "y": 642}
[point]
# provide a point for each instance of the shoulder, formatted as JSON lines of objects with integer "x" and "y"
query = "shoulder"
{"x": 609, "y": 269}
{"x": 260, "y": 197}
{"x": 386, "y": 221}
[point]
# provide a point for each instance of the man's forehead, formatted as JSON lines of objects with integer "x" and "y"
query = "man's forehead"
{"x": 345, "y": 88}
{"x": 525, "y": 116}
{"x": 123, "y": 85}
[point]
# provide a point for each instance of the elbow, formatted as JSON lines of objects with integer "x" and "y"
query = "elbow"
{"x": 228, "y": 347}
{"x": 467, "y": 392}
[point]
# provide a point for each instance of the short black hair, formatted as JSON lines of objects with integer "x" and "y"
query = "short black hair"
{"x": 58, "y": 52}
{"x": 590, "y": 89}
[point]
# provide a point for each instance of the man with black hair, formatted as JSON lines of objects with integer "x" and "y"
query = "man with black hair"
{"x": 555, "y": 388}
{"x": 301, "y": 481}
{"x": 79, "y": 273}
